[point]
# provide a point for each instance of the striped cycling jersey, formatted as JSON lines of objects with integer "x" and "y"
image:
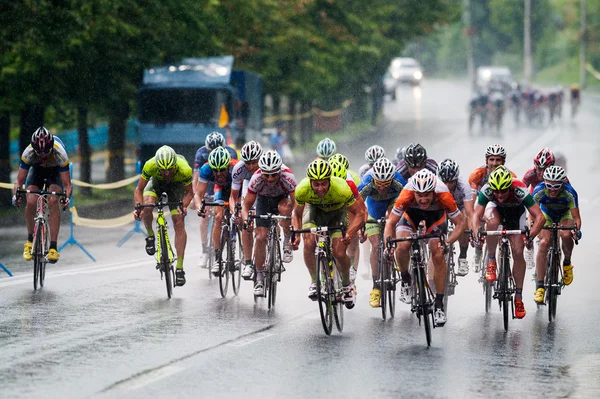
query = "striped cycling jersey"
{"x": 377, "y": 203}
{"x": 442, "y": 200}
{"x": 555, "y": 208}
{"x": 57, "y": 158}
{"x": 518, "y": 196}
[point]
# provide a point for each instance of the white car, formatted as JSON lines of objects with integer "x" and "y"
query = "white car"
{"x": 496, "y": 74}
{"x": 406, "y": 70}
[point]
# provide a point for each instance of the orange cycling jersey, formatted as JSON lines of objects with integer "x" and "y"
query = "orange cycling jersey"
{"x": 442, "y": 200}
{"x": 479, "y": 177}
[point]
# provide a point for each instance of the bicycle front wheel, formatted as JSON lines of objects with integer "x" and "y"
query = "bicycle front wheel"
{"x": 38, "y": 253}
{"x": 505, "y": 295}
{"x": 165, "y": 265}
{"x": 552, "y": 286}
{"x": 391, "y": 286}
{"x": 383, "y": 279}
{"x": 423, "y": 303}
{"x": 238, "y": 261}
{"x": 275, "y": 266}
{"x": 45, "y": 241}
{"x": 224, "y": 260}
{"x": 324, "y": 294}
{"x": 338, "y": 305}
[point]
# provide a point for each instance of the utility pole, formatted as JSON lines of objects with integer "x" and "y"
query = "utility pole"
{"x": 582, "y": 44}
{"x": 468, "y": 32}
{"x": 527, "y": 62}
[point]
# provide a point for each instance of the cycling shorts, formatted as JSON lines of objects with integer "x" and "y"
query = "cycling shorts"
{"x": 314, "y": 217}
{"x": 266, "y": 205}
{"x": 174, "y": 191}
{"x": 38, "y": 174}
{"x": 435, "y": 221}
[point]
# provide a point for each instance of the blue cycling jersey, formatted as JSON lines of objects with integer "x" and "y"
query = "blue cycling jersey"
{"x": 555, "y": 208}
{"x": 202, "y": 156}
{"x": 377, "y": 203}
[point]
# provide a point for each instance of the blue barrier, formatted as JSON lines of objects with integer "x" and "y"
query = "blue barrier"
{"x": 71, "y": 240}
{"x": 136, "y": 227}
{"x": 6, "y": 270}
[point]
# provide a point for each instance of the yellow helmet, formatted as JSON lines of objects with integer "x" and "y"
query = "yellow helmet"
{"x": 500, "y": 179}
{"x": 165, "y": 158}
{"x": 341, "y": 159}
{"x": 318, "y": 169}
{"x": 337, "y": 168}
{"x": 574, "y": 86}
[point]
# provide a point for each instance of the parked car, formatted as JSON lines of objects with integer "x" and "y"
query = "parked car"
{"x": 406, "y": 70}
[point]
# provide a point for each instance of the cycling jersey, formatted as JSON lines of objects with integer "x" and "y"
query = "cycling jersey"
{"x": 479, "y": 177}
{"x": 531, "y": 179}
{"x": 518, "y": 196}
{"x": 182, "y": 175}
{"x": 461, "y": 193}
{"x": 402, "y": 167}
{"x": 351, "y": 175}
{"x": 556, "y": 208}
{"x": 202, "y": 156}
{"x": 57, "y": 158}
{"x": 285, "y": 185}
{"x": 338, "y": 195}
{"x": 442, "y": 200}
{"x": 378, "y": 204}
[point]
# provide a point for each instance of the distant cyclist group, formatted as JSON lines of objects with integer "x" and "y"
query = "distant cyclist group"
{"x": 388, "y": 199}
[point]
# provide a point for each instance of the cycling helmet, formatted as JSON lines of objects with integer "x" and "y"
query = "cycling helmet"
{"x": 500, "y": 179}
{"x": 341, "y": 159}
{"x": 42, "y": 141}
{"x": 400, "y": 151}
{"x": 251, "y": 151}
{"x": 448, "y": 170}
{"x": 338, "y": 169}
{"x": 219, "y": 159}
{"x": 270, "y": 162}
{"x": 318, "y": 170}
{"x": 383, "y": 170}
{"x": 555, "y": 173}
{"x": 415, "y": 155}
{"x": 544, "y": 158}
{"x": 165, "y": 158}
{"x": 325, "y": 148}
{"x": 373, "y": 153}
{"x": 496, "y": 150}
{"x": 214, "y": 140}
{"x": 423, "y": 181}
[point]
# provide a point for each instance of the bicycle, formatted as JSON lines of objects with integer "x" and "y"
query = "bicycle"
{"x": 451, "y": 281}
{"x": 41, "y": 238}
{"x": 164, "y": 259}
{"x": 329, "y": 282}
{"x": 388, "y": 274}
{"x": 552, "y": 283}
{"x": 230, "y": 235}
{"x": 274, "y": 265}
{"x": 504, "y": 286}
{"x": 422, "y": 300}
{"x": 210, "y": 245}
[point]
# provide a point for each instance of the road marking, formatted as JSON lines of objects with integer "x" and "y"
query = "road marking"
{"x": 250, "y": 339}
{"x": 150, "y": 377}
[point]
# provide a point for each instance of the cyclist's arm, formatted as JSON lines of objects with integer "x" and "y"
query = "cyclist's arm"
{"x": 65, "y": 177}
{"x": 297, "y": 217}
{"x": 356, "y": 215}
{"x": 188, "y": 195}
{"x": 477, "y": 215}
{"x": 469, "y": 210}
{"x": 195, "y": 181}
{"x": 138, "y": 194}
{"x": 248, "y": 201}
{"x": 21, "y": 176}
{"x": 234, "y": 198}
{"x": 390, "y": 226}
{"x": 460, "y": 223}
{"x": 539, "y": 220}
{"x": 199, "y": 194}
{"x": 576, "y": 217}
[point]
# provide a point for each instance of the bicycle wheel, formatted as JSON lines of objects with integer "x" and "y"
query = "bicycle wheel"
{"x": 164, "y": 262}
{"x": 505, "y": 295}
{"x": 338, "y": 302}
{"x": 275, "y": 271}
{"x": 37, "y": 253}
{"x": 223, "y": 260}
{"x": 383, "y": 279}
{"x": 552, "y": 286}
{"x": 324, "y": 294}
{"x": 211, "y": 252}
{"x": 45, "y": 245}
{"x": 236, "y": 273}
{"x": 448, "y": 289}
{"x": 423, "y": 303}
{"x": 391, "y": 290}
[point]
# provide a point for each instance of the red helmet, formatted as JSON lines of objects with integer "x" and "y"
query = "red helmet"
{"x": 544, "y": 158}
{"x": 42, "y": 141}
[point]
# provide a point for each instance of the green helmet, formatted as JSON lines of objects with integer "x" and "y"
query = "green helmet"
{"x": 500, "y": 179}
{"x": 341, "y": 159}
{"x": 165, "y": 158}
{"x": 219, "y": 159}
{"x": 337, "y": 168}
{"x": 318, "y": 170}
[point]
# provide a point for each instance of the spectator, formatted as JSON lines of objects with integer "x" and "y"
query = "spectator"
{"x": 279, "y": 139}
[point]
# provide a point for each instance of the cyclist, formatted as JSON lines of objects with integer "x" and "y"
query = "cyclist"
{"x": 559, "y": 204}
{"x": 400, "y": 151}
{"x": 415, "y": 159}
{"x": 213, "y": 140}
{"x": 372, "y": 154}
{"x": 426, "y": 198}
{"x": 449, "y": 174}
{"x": 575, "y": 95}
{"x": 495, "y": 155}
{"x": 507, "y": 199}
{"x": 328, "y": 201}
{"x": 167, "y": 172}
{"x": 379, "y": 188}
{"x": 325, "y": 149}
{"x": 542, "y": 160}
{"x": 240, "y": 175}
{"x": 217, "y": 170}
{"x": 272, "y": 187}
{"x": 45, "y": 158}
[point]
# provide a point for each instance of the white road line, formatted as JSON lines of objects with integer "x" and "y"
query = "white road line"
{"x": 250, "y": 339}
{"x": 151, "y": 377}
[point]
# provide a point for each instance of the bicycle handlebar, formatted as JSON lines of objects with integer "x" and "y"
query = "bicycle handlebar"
{"x": 40, "y": 192}
{"x": 269, "y": 216}
{"x": 555, "y": 227}
{"x": 215, "y": 203}
{"x": 415, "y": 237}
{"x": 318, "y": 229}
{"x": 504, "y": 233}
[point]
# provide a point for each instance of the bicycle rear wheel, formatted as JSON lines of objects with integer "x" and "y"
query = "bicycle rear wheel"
{"x": 338, "y": 305}
{"x": 391, "y": 290}
{"x": 236, "y": 273}
{"x": 324, "y": 294}
{"x": 423, "y": 303}
{"x": 552, "y": 286}
{"x": 164, "y": 263}
{"x": 224, "y": 260}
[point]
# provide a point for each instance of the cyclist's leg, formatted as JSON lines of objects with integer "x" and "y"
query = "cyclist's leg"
{"x": 567, "y": 247}
{"x": 310, "y": 243}
{"x": 217, "y": 226}
{"x": 492, "y": 220}
{"x": 54, "y": 183}
{"x": 517, "y": 245}
{"x": 34, "y": 181}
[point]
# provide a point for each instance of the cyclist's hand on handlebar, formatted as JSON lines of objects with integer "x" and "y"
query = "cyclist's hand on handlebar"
{"x": 576, "y": 234}
{"x": 296, "y": 242}
{"x": 17, "y": 200}
{"x": 528, "y": 242}
{"x": 182, "y": 210}
{"x": 65, "y": 201}
{"x": 202, "y": 213}
{"x": 137, "y": 214}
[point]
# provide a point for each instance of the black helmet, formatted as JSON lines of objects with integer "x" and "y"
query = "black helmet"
{"x": 415, "y": 155}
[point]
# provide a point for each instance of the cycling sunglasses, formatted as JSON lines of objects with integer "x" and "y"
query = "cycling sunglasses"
{"x": 382, "y": 183}
{"x": 556, "y": 186}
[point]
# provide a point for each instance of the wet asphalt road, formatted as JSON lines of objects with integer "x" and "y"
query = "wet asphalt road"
{"x": 106, "y": 329}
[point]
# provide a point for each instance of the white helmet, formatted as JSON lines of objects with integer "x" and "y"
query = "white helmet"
{"x": 374, "y": 153}
{"x": 251, "y": 151}
{"x": 383, "y": 170}
{"x": 496, "y": 150}
{"x": 214, "y": 140}
{"x": 555, "y": 173}
{"x": 270, "y": 162}
{"x": 326, "y": 148}
{"x": 423, "y": 181}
